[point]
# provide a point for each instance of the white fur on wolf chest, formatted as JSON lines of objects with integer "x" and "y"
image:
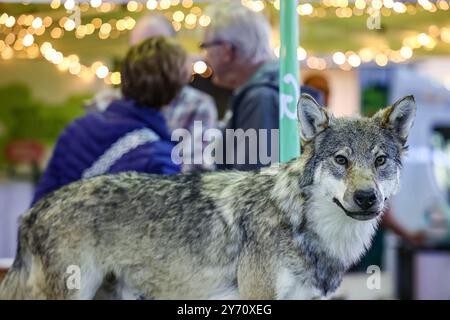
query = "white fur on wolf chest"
{"x": 345, "y": 238}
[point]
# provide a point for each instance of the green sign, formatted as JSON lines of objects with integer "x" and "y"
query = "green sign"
{"x": 289, "y": 84}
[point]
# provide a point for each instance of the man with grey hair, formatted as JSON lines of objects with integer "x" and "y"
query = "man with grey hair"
{"x": 152, "y": 25}
{"x": 237, "y": 44}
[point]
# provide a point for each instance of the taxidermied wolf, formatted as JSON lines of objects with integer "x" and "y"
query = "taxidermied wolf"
{"x": 289, "y": 231}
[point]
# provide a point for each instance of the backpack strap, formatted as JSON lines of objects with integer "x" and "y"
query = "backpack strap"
{"x": 118, "y": 149}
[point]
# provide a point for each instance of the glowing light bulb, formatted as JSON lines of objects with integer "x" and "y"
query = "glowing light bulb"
{"x": 28, "y": 40}
{"x": 354, "y": 60}
{"x": 69, "y": 4}
{"x": 406, "y": 52}
{"x": 339, "y": 58}
{"x": 102, "y": 72}
{"x": 200, "y": 67}
{"x": 96, "y": 3}
{"x": 37, "y": 23}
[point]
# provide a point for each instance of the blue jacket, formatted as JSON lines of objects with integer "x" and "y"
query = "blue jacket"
{"x": 87, "y": 139}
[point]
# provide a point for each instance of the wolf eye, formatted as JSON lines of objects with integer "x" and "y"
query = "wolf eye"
{"x": 341, "y": 160}
{"x": 379, "y": 161}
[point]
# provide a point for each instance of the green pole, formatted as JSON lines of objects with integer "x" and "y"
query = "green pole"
{"x": 289, "y": 85}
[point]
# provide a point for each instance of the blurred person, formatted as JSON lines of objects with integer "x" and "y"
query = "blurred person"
{"x": 131, "y": 134}
{"x": 151, "y": 25}
{"x": 319, "y": 82}
{"x": 189, "y": 106}
{"x": 237, "y": 45}
{"x": 416, "y": 238}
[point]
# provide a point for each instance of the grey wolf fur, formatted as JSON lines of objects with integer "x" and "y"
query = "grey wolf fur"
{"x": 289, "y": 231}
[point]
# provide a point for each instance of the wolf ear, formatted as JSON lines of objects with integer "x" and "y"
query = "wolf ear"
{"x": 313, "y": 118}
{"x": 399, "y": 117}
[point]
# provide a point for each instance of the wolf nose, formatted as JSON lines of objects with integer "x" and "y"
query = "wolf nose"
{"x": 365, "y": 198}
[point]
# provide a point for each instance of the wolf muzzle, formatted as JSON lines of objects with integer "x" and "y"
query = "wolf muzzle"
{"x": 359, "y": 215}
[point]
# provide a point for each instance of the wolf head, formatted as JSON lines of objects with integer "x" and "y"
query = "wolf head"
{"x": 355, "y": 163}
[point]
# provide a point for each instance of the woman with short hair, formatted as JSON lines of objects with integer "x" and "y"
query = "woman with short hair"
{"x": 131, "y": 134}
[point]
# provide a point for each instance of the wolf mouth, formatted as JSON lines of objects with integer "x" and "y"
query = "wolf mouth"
{"x": 360, "y": 215}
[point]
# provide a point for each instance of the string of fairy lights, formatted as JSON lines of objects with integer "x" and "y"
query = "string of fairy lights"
{"x": 380, "y": 55}
{"x": 22, "y": 33}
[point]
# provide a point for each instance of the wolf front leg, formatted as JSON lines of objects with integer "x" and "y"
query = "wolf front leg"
{"x": 290, "y": 286}
{"x": 255, "y": 280}
{"x": 266, "y": 275}
{"x": 261, "y": 280}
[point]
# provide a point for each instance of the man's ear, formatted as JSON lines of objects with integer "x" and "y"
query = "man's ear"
{"x": 399, "y": 117}
{"x": 313, "y": 118}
